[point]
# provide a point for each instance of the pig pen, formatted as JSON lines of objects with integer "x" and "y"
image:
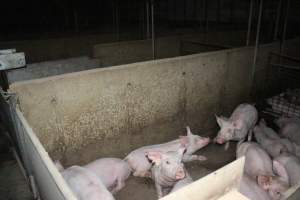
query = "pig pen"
{"x": 79, "y": 117}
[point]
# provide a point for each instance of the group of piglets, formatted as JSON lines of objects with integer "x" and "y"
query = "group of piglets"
{"x": 272, "y": 163}
{"x": 163, "y": 163}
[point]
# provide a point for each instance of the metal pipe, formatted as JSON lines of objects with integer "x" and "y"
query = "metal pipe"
{"x": 117, "y": 21}
{"x": 75, "y": 15}
{"x": 206, "y": 16}
{"x": 218, "y": 11}
{"x": 285, "y": 26}
{"x": 249, "y": 22}
{"x": 153, "y": 30}
{"x": 147, "y": 19}
{"x": 257, "y": 41}
{"x": 277, "y": 19}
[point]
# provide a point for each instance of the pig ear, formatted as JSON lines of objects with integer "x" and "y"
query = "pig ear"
{"x": 264, "y": 181}
{"x": 184, "y": 141}
{"x": 154, "y": 156}
{"x": 181, "y": 151}
{"x": 188, "y": 131}
{"x": 238, "y": 124}
{"x": 280, "y": 170}
{"x": 219, "y": 120}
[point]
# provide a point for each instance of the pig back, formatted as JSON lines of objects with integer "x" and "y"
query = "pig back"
{"x": 247, "y": 113}
{"x": 257, "y": 161}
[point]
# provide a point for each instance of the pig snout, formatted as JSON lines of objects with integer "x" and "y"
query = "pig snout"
{"x": 180, "y": 174}
{"x": 219, "y": 140}
{"x": 204, "y": 141}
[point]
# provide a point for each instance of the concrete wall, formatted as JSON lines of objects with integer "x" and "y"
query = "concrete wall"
{"x": 136, "y": 104}
{"x": 51, "y": 68}
{"x": 126, "y": 52}
{"x": 57, "y": 48}
{"x": 136, "y": 51}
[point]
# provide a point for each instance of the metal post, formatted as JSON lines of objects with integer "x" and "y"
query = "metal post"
{"x": 153, "y": 30}
{"x": 147, "y": 19}
{"x": 117, "y": 20}
{"x": 184, "y": 12}
{"x": 218, "y": 11}
{"x": 249, "y": 22}
{"x": 257, "y": 41}
{"x": 284, "y": 26}
{"x": 206, "y": 15}
{"x": 277, "y": 19}
{"x": 232, "y": 7}
{"x": 75, "y": 15}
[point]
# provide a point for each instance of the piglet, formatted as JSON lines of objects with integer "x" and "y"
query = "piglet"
{"x": 292, "y": 165}
{"x": 272, "y": 142}
{"x": 259, "y": 167}
{"x": 238, "y": 126}
{"x": 273, "y": 146}
{"x": 84, "y": 184}
{"x": 289, "y": 128}
{"x": 141, "y": 166}
{"x": 113, "y": 172}
{"x": 167, "y": 170}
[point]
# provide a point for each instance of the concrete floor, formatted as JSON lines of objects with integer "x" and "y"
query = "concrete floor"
{"x": 142, "y": 188}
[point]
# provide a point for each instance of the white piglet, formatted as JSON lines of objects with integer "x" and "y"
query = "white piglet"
{"x": 113, "y": 172}
{"x": 167, "y": 170}
{"x": 84, "y": 184}
{"x": 238, "y": 126}
{"x": 140, "y": 165}
{"x": 259, "y": 167}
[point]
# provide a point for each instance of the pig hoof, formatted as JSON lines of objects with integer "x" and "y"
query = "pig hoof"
{"x": 201, "y": 158}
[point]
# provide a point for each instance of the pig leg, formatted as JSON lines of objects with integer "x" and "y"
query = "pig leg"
{"x": 189, "y": 158}
{"x": 120, "y": 184}
{"x": 159, "y": 190}
{"x": 250, "y": 134}
{"x": 227, "y": 145}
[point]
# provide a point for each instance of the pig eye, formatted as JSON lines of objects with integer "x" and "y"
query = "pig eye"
{"x": 168, "y": 162}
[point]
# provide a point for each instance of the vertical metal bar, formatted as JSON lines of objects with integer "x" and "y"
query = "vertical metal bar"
{"x": 249, "y": 22}
{"x": 277, "y": 19}
{"x": 117, "y": 20}
{"x": 285, "y": 26}
{"x": 147, "y": 19}
{"x": 257, "y": 41}
{"x": 75, "y": 15}
{"x": 184, "y": 12}
{"x": 206, "y": 15}
{"x": 218, "y": 11}
{"x": 153, "y": 30}
{"x": 195, "y": 10}
{"x": 232, "y": 11}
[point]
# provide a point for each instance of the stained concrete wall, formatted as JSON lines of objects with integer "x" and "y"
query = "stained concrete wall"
{"x": 110, "y": 111}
